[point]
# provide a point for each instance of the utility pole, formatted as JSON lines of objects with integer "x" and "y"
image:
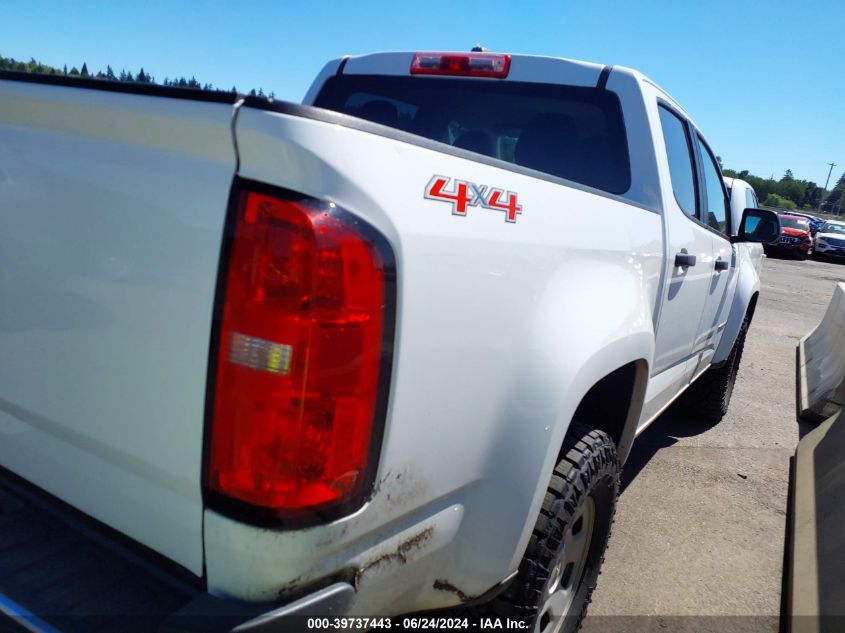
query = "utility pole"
{"x": 826, "y": 183}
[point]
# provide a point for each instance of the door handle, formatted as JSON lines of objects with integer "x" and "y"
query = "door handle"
{"x": 684, "y": 259}
{"x": 722, "y": 264}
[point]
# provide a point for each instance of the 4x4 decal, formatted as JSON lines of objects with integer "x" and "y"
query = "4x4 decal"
{"x": 462, "y": 195}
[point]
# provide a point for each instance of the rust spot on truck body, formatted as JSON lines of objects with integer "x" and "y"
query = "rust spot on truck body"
{"x": 445, "y": 585}
{"x": 289, "y": 587}
{"x": 399, "y": 555}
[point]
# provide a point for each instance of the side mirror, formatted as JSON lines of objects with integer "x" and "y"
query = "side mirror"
{"x": 758, "y": 225}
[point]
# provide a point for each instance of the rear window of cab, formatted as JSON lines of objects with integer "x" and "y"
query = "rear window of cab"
{"x": 569, "y": 132}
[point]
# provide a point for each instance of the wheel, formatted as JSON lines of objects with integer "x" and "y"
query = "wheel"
{"x": 709, "y": 396}
{"x": 801, "y": 256}
{"x": 561, "y": 565}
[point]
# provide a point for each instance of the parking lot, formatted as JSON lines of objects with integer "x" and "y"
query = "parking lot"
{"x": 701, "y": 519}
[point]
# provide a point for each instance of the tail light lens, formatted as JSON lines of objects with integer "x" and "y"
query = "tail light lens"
{"x": 462, "y": 64}
{"x": 301, "y": 356}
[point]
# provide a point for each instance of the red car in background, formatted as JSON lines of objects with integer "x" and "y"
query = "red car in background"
{"x": 794, "y": 238}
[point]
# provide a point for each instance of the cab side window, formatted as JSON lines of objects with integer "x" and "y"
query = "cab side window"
{"x": 681, "y": 164}
{"x": 716, "y": 211}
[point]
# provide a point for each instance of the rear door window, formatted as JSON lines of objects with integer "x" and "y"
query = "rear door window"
{"x": 565, "y": 131}
{"x": 681, "y": 162}
{"x": 716, "y": 212}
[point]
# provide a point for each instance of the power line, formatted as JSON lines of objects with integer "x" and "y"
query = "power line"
{"x": 826, "y": 183}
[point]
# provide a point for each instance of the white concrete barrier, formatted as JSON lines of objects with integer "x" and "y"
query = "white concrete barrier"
{"x": 821, "y": 363}
{"x": 815, "y": 584}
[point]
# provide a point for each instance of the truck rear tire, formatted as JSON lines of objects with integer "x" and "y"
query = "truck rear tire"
{"x": 708, "y": 397}
{"x": 561, "y": 565}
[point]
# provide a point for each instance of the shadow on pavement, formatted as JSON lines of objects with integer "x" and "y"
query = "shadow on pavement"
{"x": 663, "y": 432}
{"x": 675, "y": 422}
{"x": 804, "y": 426}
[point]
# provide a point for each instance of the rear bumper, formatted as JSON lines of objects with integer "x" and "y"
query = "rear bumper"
{"x": 61, "y": 570}
{"x": 207, "y": 613}
{"x": 203, "y": 614}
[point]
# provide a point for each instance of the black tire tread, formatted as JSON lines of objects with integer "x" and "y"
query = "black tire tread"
{"x": 586, "y": 456}
{"x": 708, "y": 397}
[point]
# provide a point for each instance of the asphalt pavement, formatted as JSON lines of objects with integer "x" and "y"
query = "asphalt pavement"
{"x": 698, "y": 540}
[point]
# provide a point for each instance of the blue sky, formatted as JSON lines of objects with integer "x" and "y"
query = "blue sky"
{"x": 764, "y": 80}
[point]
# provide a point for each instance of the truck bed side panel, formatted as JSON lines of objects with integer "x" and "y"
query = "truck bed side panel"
{"x": 501, "y": 328}
{"x": 111, "y": 214}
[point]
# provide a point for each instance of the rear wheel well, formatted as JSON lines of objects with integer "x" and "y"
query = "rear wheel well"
{"x": 752, "y": 305}
{"x": 607, "y": 404}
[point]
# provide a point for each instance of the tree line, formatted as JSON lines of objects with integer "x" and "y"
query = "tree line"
{"x": 141, "y": 77}
{"x": 791, "y": 193}
{"x": 786, "y": 193}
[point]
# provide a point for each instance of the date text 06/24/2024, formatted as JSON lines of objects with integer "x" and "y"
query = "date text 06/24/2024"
{"x": 419, "y": 623}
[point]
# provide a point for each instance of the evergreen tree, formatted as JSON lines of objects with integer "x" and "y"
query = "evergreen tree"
{"x": 34, "y": 66}
{"x": 812, "y": 195}
{"x": 836, "y": 194}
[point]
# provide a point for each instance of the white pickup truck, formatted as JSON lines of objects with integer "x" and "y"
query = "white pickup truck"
{"x": 381, "y": 353}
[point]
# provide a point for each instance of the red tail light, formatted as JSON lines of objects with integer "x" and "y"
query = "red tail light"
{"x": 301, "y": 356}
{"x": 463, "y": 64}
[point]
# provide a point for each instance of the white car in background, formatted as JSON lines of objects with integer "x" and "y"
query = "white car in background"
{"x": 742, "y": 196}
{"x": 830, "y": 240}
